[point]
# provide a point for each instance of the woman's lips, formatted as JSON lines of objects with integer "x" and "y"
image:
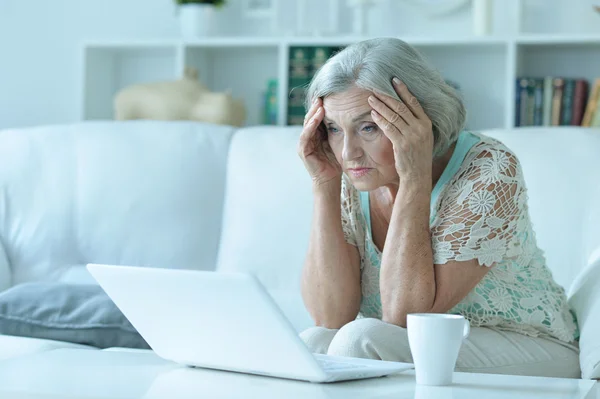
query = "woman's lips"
{"x": 359, "y": 172}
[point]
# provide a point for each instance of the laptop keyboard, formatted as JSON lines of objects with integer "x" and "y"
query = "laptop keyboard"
{"x": 332, "y": 365}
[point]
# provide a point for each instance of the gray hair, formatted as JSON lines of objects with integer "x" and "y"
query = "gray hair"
{"x": 371, "y": 65}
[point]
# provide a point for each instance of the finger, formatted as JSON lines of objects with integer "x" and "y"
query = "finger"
{"x": 307, "y": 138}
{"x": 409, "y": 99}
{"x": 396, "y": 106}
{"x": 396, "y": 117}
{"x": 388, "y": 128}
{"x": 313, "y": 109}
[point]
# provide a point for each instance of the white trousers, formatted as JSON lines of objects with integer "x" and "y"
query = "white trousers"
{"x": 486, "y": 350}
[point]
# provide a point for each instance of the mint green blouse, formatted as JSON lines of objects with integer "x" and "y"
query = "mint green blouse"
{"x": 478, "y": 211}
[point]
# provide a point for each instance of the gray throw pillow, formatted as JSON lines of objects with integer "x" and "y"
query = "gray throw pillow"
{"x": 82, "y": 314}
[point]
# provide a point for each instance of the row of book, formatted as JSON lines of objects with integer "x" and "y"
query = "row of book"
{"x": 556, "y": 101}
{"x": 304, "y": 62}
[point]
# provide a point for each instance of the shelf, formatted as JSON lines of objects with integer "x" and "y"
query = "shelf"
{"x": 246, "y": 64}
{"x": 243, "y": 70}
{"x": 289, "y": 41}
{"x": 266, "y": 41}
{"x": 558, "y": 39}
{"x": 577, "y": 60}
{"x": 483, "y": 93}
{"x": 108, "y": 70}
{"x": 129, "y": 44}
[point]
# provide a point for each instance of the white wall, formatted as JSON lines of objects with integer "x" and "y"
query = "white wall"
{"x": 39, "y": 40}
{"x": 39, "y": 75}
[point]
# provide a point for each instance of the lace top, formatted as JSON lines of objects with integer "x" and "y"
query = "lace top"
{"x": 478, "y": 211}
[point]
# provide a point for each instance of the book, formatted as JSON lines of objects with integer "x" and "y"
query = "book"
{"x": 579, "y": 101}
{"x": 524, "y": 95}
{"x": 558, "y": 85}
{"x": 568, "y": 98}
{"x": 554, "y": 101}
{"x": 530, "y": 103}
{"x": 592, "y": 104}
{"x": 300, "y": 74}
{"x": 304, "y": 63}
{"x": 518, "y": 104}
{"x": 538, "y": 102}
{"x": 595, "y": 119}
{"x": 547, "y": 111}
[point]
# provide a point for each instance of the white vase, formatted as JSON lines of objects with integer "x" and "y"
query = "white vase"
{"x": 482, "y": 17}
{"x": 195, "y": 20}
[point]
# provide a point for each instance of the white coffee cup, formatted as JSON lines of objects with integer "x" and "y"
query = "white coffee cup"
{"x": 435, "y": 340}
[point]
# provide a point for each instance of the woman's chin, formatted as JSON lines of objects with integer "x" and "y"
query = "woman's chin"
{"x": 363, "y": 184}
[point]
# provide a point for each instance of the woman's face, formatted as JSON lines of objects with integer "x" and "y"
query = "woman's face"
{"x": 362, "y": 149}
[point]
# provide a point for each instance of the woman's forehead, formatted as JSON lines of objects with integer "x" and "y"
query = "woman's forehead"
{"x": 346, "y": 105}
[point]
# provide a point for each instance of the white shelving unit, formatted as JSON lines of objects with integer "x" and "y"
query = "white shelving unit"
{"x": 485, "y": 68}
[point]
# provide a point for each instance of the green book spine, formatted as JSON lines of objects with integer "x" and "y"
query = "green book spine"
{"x": 547, "y": 113}
{"x": 300, "y": 74}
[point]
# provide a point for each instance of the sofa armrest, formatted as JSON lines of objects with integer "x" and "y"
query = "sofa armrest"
{"x": 584, "y": 299}
{"x": 5, "y": 271}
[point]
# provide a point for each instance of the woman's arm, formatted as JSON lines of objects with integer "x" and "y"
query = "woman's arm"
{"x": 409, "y": 281}
{"x": 331, "y": 275}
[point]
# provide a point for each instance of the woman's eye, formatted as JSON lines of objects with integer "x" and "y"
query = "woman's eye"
{"x": 369, "y": 129}
{"x": 332, "y": 130}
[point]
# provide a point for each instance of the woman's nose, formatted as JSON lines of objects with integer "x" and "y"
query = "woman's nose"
{"x": 352, "y": 149}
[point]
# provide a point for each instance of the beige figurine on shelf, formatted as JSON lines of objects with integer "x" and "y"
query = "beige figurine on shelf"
{"x": 184, "y": 99}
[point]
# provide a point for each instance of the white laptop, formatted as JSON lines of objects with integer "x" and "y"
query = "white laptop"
{"x": 223, "y": 321}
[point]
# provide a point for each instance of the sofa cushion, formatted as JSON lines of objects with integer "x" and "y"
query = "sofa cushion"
{"x": 146, "y": 193}
{"x": 75, "y": 313}
{"x": 267, "y": 214}
{"x": 5, "y": 274}
{"x": 585, "y": 300}
{"x": 560, "y": 229}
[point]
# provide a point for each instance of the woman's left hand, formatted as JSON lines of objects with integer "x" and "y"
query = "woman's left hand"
{"x": 408, "y": 128}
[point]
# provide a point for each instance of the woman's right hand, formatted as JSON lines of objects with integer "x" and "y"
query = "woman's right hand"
{"x": 314, "y": 149}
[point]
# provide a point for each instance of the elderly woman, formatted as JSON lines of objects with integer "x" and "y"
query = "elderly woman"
{"x": 431, "y": 219}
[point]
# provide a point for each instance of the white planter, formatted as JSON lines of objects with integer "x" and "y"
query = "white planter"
{"x": 482, "y": 17}
{"x": 196, "y": 20}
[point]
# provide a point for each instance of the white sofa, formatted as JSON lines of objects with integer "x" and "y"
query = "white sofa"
{"x": 189, "y": 195}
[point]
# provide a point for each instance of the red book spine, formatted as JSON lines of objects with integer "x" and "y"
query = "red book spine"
{"x": 579, "y": 101}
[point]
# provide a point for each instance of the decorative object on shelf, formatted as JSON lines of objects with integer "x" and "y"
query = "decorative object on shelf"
{"x": 438, "y": 7}
{"x": 360, "y": 15}
{"x": 196, "y": 16}
{"x": 184, "y": 99}
{"x": 271, "y": 106}
{"x": 482, "y": 17}
{"x": 262, "y": 9}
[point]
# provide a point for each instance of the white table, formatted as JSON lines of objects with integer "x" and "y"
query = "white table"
{"x": 80, "y": 373}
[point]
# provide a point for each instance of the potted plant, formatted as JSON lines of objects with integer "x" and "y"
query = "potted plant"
{"x": 196, "y": 16}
